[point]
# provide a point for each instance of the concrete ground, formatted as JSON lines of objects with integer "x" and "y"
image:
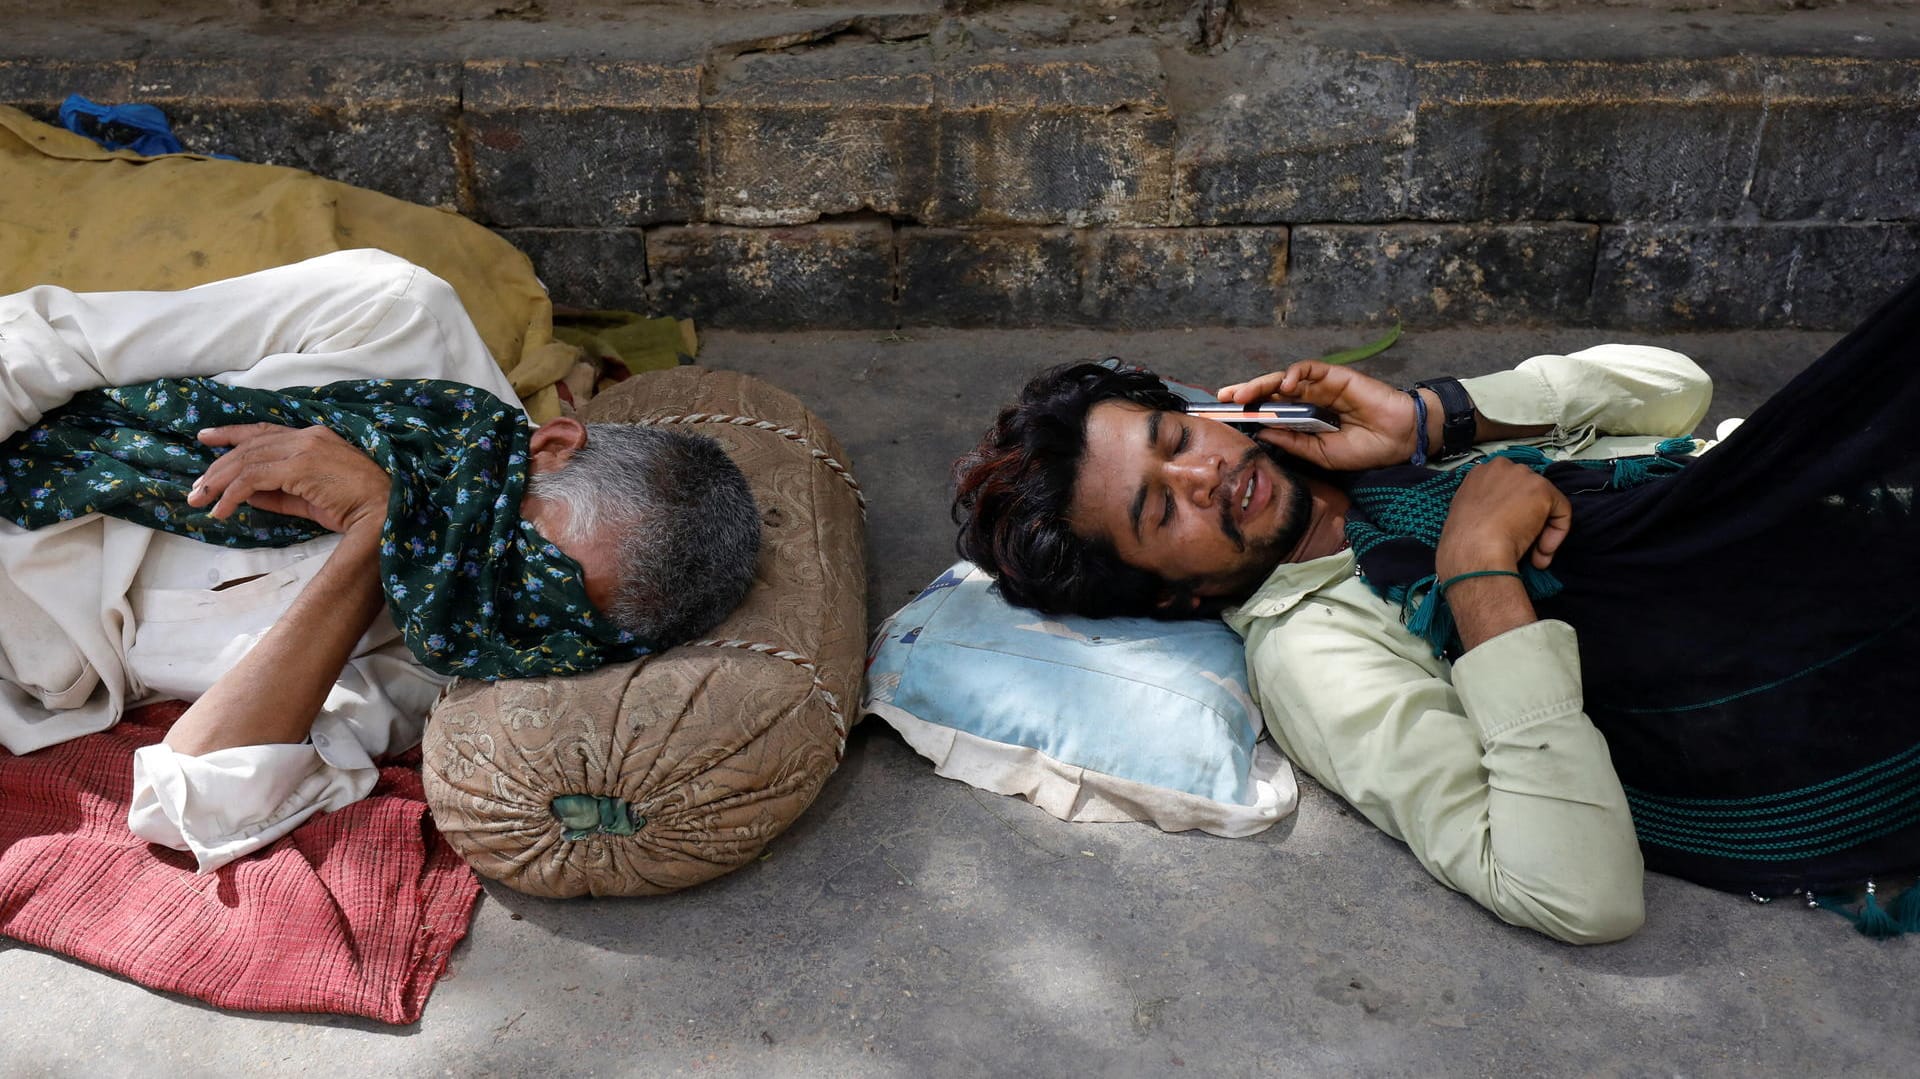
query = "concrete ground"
{"x": 909, "y": 925}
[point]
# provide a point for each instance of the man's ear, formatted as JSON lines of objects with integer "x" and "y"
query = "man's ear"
{"x": 1176, "y": 601}
{"x": 555, "y": 442}
{"x": 1183, "y": 600}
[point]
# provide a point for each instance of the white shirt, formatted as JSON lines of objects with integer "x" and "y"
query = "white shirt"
{"x": 97, "y": 614}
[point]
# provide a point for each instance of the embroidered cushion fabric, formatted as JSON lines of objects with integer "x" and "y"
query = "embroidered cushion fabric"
{"x": 655, "y": 775}
{"x": 474, "y": 588}
{"x": 1747, "y": 628}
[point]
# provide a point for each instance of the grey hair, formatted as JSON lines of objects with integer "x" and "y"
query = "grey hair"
{"x": 683, "y": 518}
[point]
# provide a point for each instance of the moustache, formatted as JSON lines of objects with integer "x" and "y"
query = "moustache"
{"x": 1228, "y": 525}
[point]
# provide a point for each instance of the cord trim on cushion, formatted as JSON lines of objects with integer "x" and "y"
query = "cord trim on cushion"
{"x": 798, "y": 660}
{"x": 788, "y": 433}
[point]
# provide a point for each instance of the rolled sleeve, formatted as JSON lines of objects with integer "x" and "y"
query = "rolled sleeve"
{"x": 231, "y": 802}
{"x": 1616, "y": 389}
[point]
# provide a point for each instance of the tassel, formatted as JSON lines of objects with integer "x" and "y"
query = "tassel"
{"x": 1871, "y": 920}
{"x": 1531, "y": 456}
{"x": 1906, "y": 909}
{"x": 1874, "y": 921}
{"x": 1631, "y": 472}
{"x": 1541, "y": 584}
{"x": 1428, "y": 618}
{"x": 1634, "y": 471}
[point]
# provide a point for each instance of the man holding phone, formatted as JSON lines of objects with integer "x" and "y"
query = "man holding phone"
{"x": 1410, "y": 630}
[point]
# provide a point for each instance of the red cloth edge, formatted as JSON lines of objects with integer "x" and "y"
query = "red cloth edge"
{"x": 378, "y": 928}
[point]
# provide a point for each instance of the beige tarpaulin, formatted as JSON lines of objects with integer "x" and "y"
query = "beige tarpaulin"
{"x": 74, "y": 215}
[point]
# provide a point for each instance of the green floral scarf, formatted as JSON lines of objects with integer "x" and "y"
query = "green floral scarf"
{"x": 475, "y": 589}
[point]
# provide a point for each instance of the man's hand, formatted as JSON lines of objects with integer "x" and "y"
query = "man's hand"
{"x": 1502, "y": 513}
{"x": 307, "y": 472}
{"x": 1376, "y": 420}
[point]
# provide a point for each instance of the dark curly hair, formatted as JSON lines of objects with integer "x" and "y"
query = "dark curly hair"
{"x": 1012, "y": 494}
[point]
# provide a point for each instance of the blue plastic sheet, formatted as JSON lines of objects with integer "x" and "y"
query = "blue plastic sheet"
{"x": 141, "y": 128}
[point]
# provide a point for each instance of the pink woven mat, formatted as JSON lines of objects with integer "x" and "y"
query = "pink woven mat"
{"x": 355, "y": 913}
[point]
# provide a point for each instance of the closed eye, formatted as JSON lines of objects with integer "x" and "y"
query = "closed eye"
{"x": 1179, "y": 447}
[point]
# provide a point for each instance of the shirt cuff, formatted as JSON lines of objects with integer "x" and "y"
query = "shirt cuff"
{"x": 1523, "y": 676}
{"x": 1518, "y": 398}
{"x": 232, "y": 802}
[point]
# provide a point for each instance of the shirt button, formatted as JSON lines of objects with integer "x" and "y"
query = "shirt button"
{"x": 320, "y": 740}
{"x": 213, "y": 576}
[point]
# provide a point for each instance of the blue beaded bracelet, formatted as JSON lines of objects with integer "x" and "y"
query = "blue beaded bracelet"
{"x": 1419, "y": 427}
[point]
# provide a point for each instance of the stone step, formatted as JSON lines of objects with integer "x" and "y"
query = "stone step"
{"x": 811, "y": 167}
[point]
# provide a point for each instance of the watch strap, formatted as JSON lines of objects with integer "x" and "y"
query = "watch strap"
{"x": 1458, "y": 423}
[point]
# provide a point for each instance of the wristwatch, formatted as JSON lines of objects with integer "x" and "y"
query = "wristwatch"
{"x": 1457, "y": 425}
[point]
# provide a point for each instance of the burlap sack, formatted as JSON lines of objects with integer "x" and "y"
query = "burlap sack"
{"x": 705, "y": 752}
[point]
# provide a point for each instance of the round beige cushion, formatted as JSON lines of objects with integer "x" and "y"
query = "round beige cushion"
{"x": 706, "y": 751}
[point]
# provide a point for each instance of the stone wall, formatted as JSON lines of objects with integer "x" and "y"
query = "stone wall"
{"x": 875, "y": 171}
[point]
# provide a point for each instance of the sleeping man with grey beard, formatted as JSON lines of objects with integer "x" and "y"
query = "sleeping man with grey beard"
{"x": 310, "y": 660}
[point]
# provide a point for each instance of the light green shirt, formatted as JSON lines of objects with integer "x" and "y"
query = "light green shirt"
{"x": 1487, "y": 768}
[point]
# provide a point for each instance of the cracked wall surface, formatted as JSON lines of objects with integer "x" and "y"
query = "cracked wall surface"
{"x": 1090, "y": 164}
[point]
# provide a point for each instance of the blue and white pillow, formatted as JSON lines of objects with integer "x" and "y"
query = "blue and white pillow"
{"x": 1091, "y": 720}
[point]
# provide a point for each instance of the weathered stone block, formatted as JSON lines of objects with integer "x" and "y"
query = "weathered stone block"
{"x": 583, "y": 143}
{"x": 379, "y": 124}
{"x": 37, "y": 85}
{"x": 998, "y": 277}
{"x": 1434, "y": 274}
{"x": 837, "y": 274}
{"x": 1186, "y": 277}
{"x": 588, "y": 267}
{"x": 793, "y": 136}
{"x": 1842, "y": 140}
{"x": 1657, "y": 140}
{"x": 1040, "y": 138}
{"x": 1815, "y": 276}
{"x": 1132, "y": 278}
{"x": 1294, "y": 135}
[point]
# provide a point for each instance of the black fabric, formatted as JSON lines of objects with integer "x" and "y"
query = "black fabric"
{"x": 1749, "y": 627}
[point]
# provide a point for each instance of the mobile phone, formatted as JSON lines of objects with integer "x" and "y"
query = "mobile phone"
{"x": 1250, "y": 418}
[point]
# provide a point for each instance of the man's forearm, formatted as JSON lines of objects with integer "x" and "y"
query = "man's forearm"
{"x": 1485, "y": 607}
{"x": 277, "y": 689}
{"x": 1484, "y": 429}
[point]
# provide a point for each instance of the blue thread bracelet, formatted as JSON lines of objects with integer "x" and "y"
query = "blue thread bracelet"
{"x": 1458, "y": 577}
{"x": 1419, "y": 427}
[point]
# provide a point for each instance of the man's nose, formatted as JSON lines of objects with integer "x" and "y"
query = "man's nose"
{"x": 1196, "y": 477}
